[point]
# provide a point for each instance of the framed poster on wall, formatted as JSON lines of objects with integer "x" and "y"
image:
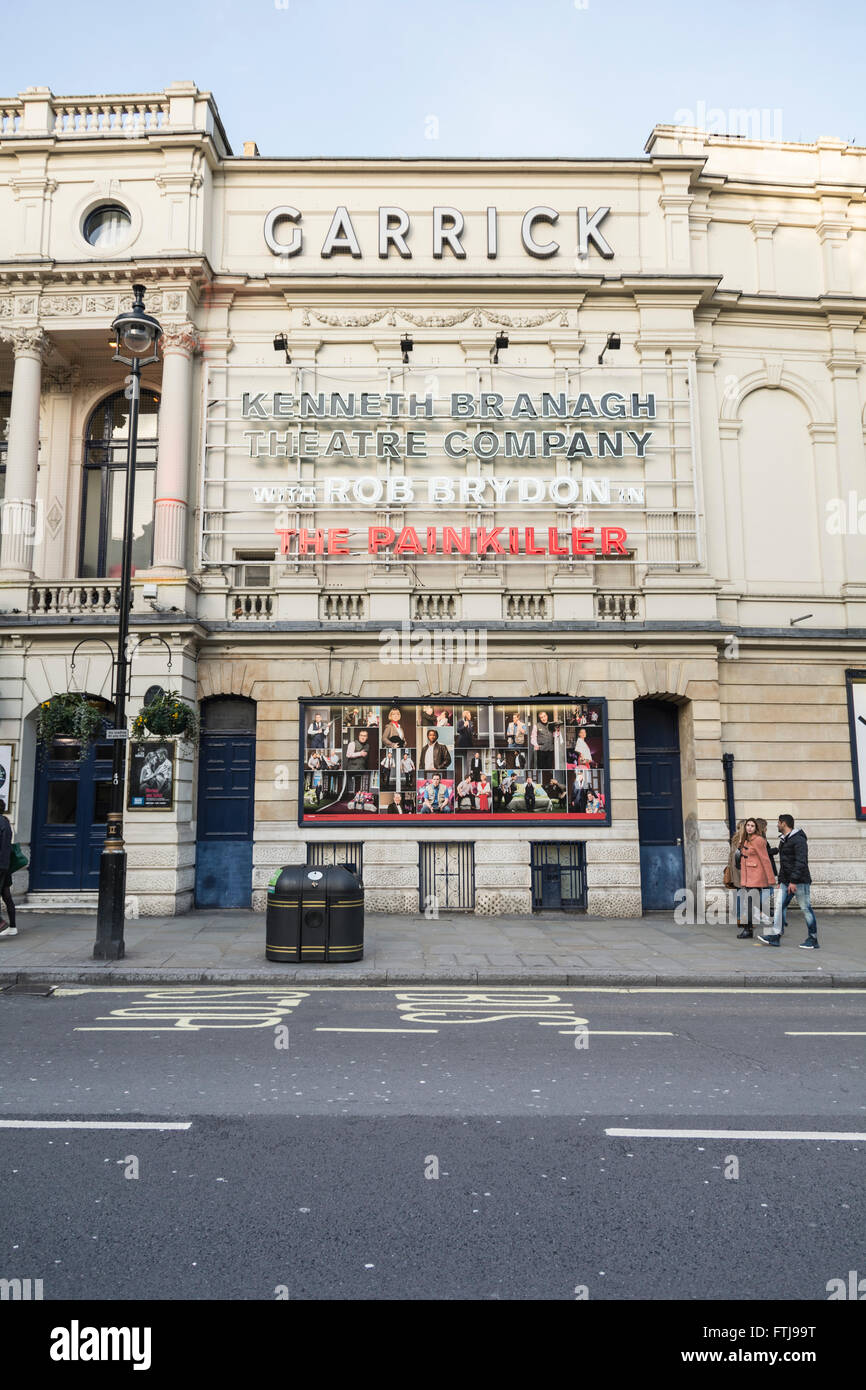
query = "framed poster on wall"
{"x": 454, "y": 760}
{"x": 856, "y": 683}
{"x": 6, "y": 750}
{"x": 150, "y": 785}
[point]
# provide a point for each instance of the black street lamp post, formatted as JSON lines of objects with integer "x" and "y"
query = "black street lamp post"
{"x": 138, "y": 334}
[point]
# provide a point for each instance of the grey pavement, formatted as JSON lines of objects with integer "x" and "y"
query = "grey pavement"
{"x": 228, "y": 947}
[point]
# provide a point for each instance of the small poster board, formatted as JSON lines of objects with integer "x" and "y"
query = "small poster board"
{"x": 6, "y": 773}
{"x": 150, "y": 785}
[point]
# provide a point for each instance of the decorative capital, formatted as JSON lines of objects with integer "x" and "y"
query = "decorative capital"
{"x": 180, "y": 337}
{"x": 27, "y": 342}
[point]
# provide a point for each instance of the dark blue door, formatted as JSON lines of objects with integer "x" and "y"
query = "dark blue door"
{"x": 226, "y": 778}
{"x": 71, "y": 800}
{"x": 659, "y": 803}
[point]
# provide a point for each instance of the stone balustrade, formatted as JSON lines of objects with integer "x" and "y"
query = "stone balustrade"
{"x": 250, "y": 604}
{"x": 619, "y": 607}
{"x": 75, "y": 596}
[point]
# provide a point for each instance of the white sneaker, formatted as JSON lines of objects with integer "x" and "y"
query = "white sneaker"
{"x": 9, "y": 931}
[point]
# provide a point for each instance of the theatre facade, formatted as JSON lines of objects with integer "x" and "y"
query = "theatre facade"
{"x": 504, "y": 522}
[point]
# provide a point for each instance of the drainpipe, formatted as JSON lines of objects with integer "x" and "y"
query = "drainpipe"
{"x": 728, "y": 766}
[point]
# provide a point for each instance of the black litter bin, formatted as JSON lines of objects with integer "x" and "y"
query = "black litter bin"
{"x": 315, "y": 912}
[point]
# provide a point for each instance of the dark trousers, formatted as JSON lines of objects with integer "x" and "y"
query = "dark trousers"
{"x": 6, "y": 895}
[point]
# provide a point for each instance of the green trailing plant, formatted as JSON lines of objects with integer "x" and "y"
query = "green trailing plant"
{"x": 167, "y": 716}
{"x": 71, "y": 715}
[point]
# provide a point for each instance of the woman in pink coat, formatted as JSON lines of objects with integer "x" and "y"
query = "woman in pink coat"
{"x": 756, "y": 875}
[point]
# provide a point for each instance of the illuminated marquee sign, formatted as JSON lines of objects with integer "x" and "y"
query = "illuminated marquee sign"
{"x": 343, "y": 463}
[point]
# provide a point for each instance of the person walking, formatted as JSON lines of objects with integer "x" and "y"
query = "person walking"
{"x": 752, "y": 859}
{"x": 793, "y": 857}
{"x": 9, "y": 928}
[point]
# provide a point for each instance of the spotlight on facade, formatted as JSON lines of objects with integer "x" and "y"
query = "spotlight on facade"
{"x": 281, "y": 344}
{"x": 613, "y": 343}
{"x": 792, "y": 621}
{"x": 406, "y": 346}
{"x": 500, "y": 343}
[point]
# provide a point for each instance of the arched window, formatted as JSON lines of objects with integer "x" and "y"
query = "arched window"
{"x": 105, "y": 447}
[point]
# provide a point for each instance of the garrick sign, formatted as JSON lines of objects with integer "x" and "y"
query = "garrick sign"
{"x": 444, "y": 232}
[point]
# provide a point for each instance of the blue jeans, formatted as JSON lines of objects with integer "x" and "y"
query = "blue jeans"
{"x": 759, "y": 899}
{"x": 803, "y": 893}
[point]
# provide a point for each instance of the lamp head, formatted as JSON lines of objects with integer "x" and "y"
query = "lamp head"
{"x": 136, "y": 332}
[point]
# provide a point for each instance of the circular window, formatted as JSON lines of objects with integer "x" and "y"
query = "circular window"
{"x": 107, "y": 227}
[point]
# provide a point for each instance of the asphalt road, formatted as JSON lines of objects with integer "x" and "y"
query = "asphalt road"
{"x": 316, "y": 1123}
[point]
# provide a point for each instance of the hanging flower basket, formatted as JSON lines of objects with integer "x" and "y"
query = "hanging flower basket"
{"x": 73, "y": 716}
{"x": 167, "y": 716}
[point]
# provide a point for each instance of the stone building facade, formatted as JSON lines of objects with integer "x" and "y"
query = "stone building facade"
{"x": 725, "y": 278}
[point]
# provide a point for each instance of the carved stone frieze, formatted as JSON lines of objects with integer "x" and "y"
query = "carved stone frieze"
{"x": 60, "y": 305}
{"x": 100, "y": 303}
{"x": 448, "y": 319}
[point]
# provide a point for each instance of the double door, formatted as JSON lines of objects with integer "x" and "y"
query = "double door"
{"x": 71, "y": 804}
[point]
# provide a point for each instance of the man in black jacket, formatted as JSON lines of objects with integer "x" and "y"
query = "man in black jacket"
{"x": 794, "y": 876}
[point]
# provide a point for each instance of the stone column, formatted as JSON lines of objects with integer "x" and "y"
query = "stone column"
{"x": 179, "y": 342}
{"x": 20, "y": 529}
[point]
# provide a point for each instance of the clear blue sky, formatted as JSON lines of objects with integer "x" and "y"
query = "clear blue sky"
{"x": 542, "y": 77}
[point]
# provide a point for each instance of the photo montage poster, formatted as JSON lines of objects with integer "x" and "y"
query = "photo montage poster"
{"x": 471, "y": 760}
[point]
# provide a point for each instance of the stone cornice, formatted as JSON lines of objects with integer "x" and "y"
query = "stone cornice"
{"x": 88, "y": 275}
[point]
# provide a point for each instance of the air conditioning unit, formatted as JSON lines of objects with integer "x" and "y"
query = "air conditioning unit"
{"x": 254, "y": 569}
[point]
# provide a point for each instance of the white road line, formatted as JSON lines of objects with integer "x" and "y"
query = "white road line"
{"x": 95, "y": 1124}
{"x": 838, "y": 1033}
{"x": 735, "y": 1134}
{"x": 377, "y": 1030}
{"x": 615, "y": 1033}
